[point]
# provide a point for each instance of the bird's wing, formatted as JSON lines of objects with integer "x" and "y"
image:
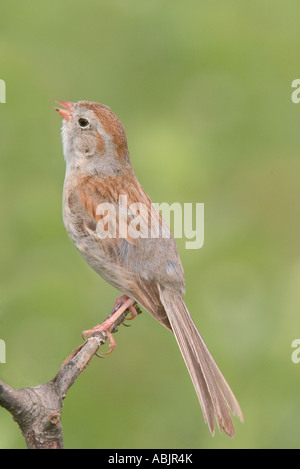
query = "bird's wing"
{"x": 116, "y": 222}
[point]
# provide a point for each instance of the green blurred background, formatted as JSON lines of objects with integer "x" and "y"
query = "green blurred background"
{"x": 204, "y": 91}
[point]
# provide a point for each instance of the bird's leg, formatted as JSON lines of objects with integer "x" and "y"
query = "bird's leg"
{"x": 133, "y": 308}
{"x": 119, "y": 301}
{"x": 122, "y": 303}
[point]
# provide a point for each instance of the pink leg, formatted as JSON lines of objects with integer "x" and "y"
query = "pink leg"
{"x": 119, "y": 301}
{"x": 131, "y": 308}
{"x": 109, "y": 322}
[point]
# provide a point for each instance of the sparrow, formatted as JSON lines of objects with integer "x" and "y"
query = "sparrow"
{"x": 120, "y": 234}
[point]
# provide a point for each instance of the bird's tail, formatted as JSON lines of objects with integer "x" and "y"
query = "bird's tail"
{"x": 215, "y": 396}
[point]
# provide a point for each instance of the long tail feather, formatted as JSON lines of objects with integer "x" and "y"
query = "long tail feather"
{"x": 214, "y": 394}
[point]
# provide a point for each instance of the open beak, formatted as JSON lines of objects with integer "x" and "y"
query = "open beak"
{"x": 65, "y": 113}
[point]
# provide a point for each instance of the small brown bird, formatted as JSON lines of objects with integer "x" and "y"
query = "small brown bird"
{"x": 121, "y": 235}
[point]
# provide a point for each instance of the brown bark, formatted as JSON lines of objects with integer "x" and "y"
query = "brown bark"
{"x": 37, "y": 410}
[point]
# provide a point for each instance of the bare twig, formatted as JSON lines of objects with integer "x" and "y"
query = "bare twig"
{"x": 37, "y": 409}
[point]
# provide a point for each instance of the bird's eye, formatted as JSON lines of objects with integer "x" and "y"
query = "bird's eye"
{"x": 83, "y": 122}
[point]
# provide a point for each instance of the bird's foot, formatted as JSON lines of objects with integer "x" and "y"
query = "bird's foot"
{"x": 109, "y": 326}
{"x": 133, "y": 307}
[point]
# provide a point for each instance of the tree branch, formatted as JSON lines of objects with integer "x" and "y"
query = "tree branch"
{"x": 37, "y": 410}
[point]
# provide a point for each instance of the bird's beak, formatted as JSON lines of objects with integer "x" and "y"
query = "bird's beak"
{"x": 68, "y": 112}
